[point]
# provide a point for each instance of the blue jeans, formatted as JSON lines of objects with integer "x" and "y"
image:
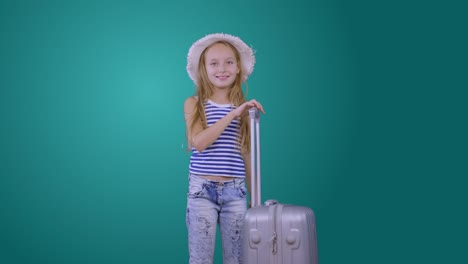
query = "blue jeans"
{"x": 210, "y": 203}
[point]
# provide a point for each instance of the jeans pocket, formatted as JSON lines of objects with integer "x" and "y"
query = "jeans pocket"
{"x": 196, "y": 189}
{"x": 242, "y": 191}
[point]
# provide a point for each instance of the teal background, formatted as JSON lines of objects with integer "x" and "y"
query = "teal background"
{"x": 366, "y": 123}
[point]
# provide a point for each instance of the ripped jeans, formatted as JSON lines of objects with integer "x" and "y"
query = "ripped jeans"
{"x": 210, "y": 203}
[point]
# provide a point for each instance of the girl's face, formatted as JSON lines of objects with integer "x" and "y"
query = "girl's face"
{"x": 221, "y": 65}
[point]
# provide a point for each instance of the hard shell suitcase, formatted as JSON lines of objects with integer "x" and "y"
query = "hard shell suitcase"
{"x": 275, "y": 233}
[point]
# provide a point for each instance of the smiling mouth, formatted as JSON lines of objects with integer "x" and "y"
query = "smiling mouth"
{"x": 222, "y": 77}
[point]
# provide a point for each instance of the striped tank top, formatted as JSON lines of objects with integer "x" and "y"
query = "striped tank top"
{"x": 223, "y": 157}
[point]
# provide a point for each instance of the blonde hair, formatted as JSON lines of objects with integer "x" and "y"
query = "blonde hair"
{"x": 236, "y": 97}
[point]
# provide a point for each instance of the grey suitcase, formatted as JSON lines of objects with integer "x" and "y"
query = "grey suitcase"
{"x": 275, "y": 233}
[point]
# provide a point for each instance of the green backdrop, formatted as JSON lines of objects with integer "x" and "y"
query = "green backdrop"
{"x": 366, "y": 124}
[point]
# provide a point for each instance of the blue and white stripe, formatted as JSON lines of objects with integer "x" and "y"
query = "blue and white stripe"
{"x": 223, "y": 157}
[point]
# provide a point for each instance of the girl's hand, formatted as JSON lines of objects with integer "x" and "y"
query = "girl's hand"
{"x": 243, "y": 109}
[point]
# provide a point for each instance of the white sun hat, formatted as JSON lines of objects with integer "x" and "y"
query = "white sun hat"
{"x": 193, "y": 58}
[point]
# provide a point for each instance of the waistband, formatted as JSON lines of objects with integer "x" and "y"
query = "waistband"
{"x": 233, "y": 182}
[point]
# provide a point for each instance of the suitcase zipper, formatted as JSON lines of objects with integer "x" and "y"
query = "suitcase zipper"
{"x": 274, "y": 239}
{"x": 275, "y": 243}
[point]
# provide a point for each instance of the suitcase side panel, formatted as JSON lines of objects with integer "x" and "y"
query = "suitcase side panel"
{"x": 297, "y": 238}
{"x": 295, "y": 243}
{"x": 258, "y": 231}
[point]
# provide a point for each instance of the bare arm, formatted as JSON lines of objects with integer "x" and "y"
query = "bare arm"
{"x": 201, "y": 138}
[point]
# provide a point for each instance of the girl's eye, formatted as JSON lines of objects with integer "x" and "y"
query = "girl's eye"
{"x": 230, "y": 62}
{"x": 213, "y": 64}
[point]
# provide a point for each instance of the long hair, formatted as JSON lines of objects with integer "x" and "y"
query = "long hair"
{"x": 236, "y": 98}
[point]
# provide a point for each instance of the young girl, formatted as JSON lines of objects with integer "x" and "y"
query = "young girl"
{"x": 217, "y": 133}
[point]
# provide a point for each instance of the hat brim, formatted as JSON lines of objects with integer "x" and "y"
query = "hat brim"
{"x": 193, "y": 58}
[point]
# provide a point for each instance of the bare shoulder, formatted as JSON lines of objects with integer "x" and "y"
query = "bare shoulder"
{"x": 189, "y": 104}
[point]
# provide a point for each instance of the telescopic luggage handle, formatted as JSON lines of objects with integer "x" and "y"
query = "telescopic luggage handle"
{"x": 256, "y": 196}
